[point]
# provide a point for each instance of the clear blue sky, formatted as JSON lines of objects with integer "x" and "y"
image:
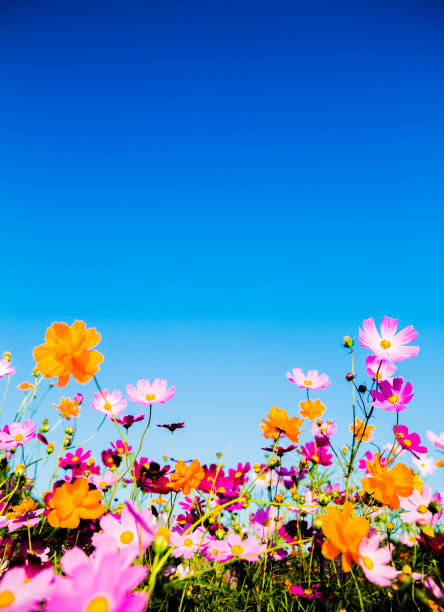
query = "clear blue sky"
{"x": 224, "y": 189}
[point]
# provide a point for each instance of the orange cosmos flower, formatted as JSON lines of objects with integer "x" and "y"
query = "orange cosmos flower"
{"x": 186, "y": 478}
{"x": 72, "y": 502}
{"x": 25, "y": 386}
{"x": 311, "y": 409}
{"x": 67, "y": 408}
{"x": 387, "y": 486}
{"x": 344, "y": 534}
{"x": 360, "y": 431}
{"x": 279, "y": 422}
{"x": 68, "y": 351}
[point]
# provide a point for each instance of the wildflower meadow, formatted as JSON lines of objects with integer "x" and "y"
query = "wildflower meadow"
{"x": 314, "y": 526}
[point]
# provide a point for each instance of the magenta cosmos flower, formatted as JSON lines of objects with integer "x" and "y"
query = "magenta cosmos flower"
{"x": 317, "y": 454}
{"x": 308, "y": 593}
{"x": 6, "y": 368}
{"x": 249, "y": 549}
{"x": 101, "y": 582}
{"x": 148, "y": 394}
{"x": 392, "y": 396}
{"x": 375, "y": 561}
{"x": 437, "y": 441}
{"x": 388, "y": 344}
{"x": 20, "y": 594}
{"x": 17, "y": 434}
{"x": 379, "y": 369}
{"x": 409, "y": 441}
{"x": 108, "y": 403}
{"x": 313, "y": 380}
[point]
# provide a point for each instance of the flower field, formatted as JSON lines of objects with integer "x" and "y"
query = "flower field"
{"x": 315, "y": 526}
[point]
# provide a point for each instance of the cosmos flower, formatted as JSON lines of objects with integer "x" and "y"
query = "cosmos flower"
{"x": 265, "y": 522}
{"x": 149, "y": 394}
{"x": 188, "y": 544}
{"x": 425, "y": 465}
{"x": 409, "y": 539}
{"x": 18, "y": 593}
{"x": 16, "y": 434}
{"x": 311, "y": 409}
{"x": 68, "y": 351}
{"x": 173, "y": 426}
{"x": 6, "y": 368}
{"x": 392, "y": 396}
{"x": 110, "y": 404}
{"x": 124, "y": 532}
{"x": 437, "y": 441}
{"x": 343, "y": 534}
{"x": 249, "y": 548}
{"x": 374, "y": 561}
{"x": 73, "y": 459}
{"x": 416, "y": 507}
{"x": 186, "y": 478}
{"x": 323, "y": 431}
{"x": 104, "y": 481}
{"x": 73, "y": 501}
{"x": 361, "y": 431}
{"x": 388, "y": 344}
{"x": 388, "y": 485}
{"x": 409, "y": 441}
{"x": 312, "y": 381}
{"x": 280, "y": 423}
{"x": 317, "y": 454}
{"x": 308, "y": 593}
{"x": 379, "y": 369}
{"x": 130, "y": 419}
{"x": 67, "y": 408}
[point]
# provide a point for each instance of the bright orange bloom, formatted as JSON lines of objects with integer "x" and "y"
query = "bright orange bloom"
{"x": 387, "y": 486}
{"x": 311, "y": 409}
{"x": 279, "y": 422}
{"x": 67, "y": 408}
{"x": 361, "y": 431}
{"x": 26, "y": 505}
{"x": 68, "y": 351}
{"x": 72, "y": 502}
{"x": 186, "y": 478}
{"x": 25, "y": 386}
{"x": 344, "y": 534}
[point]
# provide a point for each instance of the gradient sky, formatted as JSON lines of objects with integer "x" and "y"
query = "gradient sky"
{"x": 224, "y": 190}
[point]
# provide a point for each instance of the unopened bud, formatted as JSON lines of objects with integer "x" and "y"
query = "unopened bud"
{"x": 434, "y": 507}
{"x": 20, "y": 469}
{"x": 348, "y": 342}
{"x": 161, "y": 541}
{"x": 35, "y": 373}
{"x": 78, "y": 398}
{"x": 7, "y": 355}
{"x": 349, "y": 377}
{"x": 317, "y": 523}
{"x": 69, "y": 431}
{"x": 278, "y": 499}
{"x": 362, "y": 389}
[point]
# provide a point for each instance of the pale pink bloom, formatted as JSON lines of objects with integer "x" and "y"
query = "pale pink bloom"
{"x": 6, "y": 368}
{"x": 23, "y": 594}
{"x": 375, "y": 561}
{"x": 16, "y": 434}
{"x": 388, "y": 344}
{"x": 125, "y": 532}
{"x": 313, "y": 380}
{"x": 110, "y": 404}
{"x": 269, "y": 478}
{"x": 102, "y": 482}
{"x": 265, "y": 522}
{"x": 149, "y": 394}
{"x": 395, "y": 449}
{"x": 103, "y": 581}
{"x": 431, "y": 585}
{"x": 416, "y": 507}
{"x": 437, "y": 441}
{"x": 409, "y": 539}
{"x": 188, "y": 544}
{"x": 216, "y": 550}
{"x": 425, "y": 465}
{"x": 379, "y": 369}
{"x": 249, "y": 549}
{"x": 326, "y": 429}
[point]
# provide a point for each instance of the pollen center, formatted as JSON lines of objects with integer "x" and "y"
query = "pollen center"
{"x": 385, "y": 344}
{"x": 422, "y": 509}
{"x": 103, "y": 484}
{"x": 98, "y": 604}
{"x": 308, "y": 383}
{"x": 315, "y": 458}
{"x": 237, "y": 549}
{"x": 188, "y": 542}
{"x": 407, "y": 442}
{"x": 107, "y": 406}
{"x": 368, "y": 563}
{"x": 238, "y": 474}
{"x": 126, "y": 537}
{"x": 74, "y": 459}
{"x": 308, "y": 592}
{"x": 6, "y": 599}
{"x": 393, "y": 399}
{"x": 150, "y": 397}
{"x": 18, "y": 437}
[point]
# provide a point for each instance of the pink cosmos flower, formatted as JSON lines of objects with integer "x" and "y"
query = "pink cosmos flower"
{"x": 425, "y": 465}
{"x": 110, "y": 404}
{"x": 392, "y": 396}
{"x": 409, "y": 441}
{"x": 362, "y": 465}
{"x": 19, "y": 594}
{"x": 6, "y": 368}
{"x": 188, "y": 544}
{"x": 149, "y": 394}
{"x": 308, "y": 593}
{"x": 264, "y": 522}
{"x": 409, "y": 539}
{"x": 313, "y": 380}
{"x": 216, "y": 550}
{"x": 125, "y": 533}
{"x": 103, "y": 581}
{"x": 249, "y": 549}
{"x": 416, "y": 507}
{"x": 104, "y": 481}
{"x": 323, "y": 430}
{"x": 437, "y": 441}
{"x": 375, "y": 561}
{"x": 317, "y": 454}
{"x": 16, "y": 434}
{"x": 25, "y": 520}
{"x": 389, "y": 344}
{"x": 379, "y": 369}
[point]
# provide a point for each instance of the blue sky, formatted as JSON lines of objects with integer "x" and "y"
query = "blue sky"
{"x": 223, "y": 190}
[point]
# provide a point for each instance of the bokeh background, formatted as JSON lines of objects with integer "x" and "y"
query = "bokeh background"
{"x": 224, "y": 190}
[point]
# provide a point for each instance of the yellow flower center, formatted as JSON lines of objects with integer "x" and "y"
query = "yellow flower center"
{"x": 422, "y": 509}
{"x": 407, "y": 442}
{"x": 107, "y": 406}
{"x": 126, "y": 537}
{"x": 267, "y": 523}
{"x": 103, "y": 484}
{"x": 6, "y": 599}
{"x": 238, "y": 474}
{"x": 308, "y": 383}
{"x": 18, "y": 438}
{"x": 379, "y": 375}
{"x": 188, "y": 542}
{"x": 150, "y": 397}
{"x": 98, "y": 604}
{"x": 221, "y": 490}
{"x": 368, "y": 563}
{"x": 237, "y": 549}
{"x": 308, "y": 592}
{"x": 393, "y": 399}
{"x": 74, "y": 459}
{"x": 315, "y": 458}
{"x": 216, "y": 552}
{"x": 385, "y": 344}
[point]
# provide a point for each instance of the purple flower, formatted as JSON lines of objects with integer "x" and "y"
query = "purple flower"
{"x": 392, "y": 396}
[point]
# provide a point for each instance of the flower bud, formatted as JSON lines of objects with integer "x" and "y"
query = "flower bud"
{"x": 35, "y": 373}
{"x": 362, "y": 389}
{"x": 348, "y": 342}
{"x": 161, "y": 541}
{"x": 20, "y": 469}
{"x": 7, "y": 355}
{"x": 78, "y": 398}
{"x": 278, "y": 499}
{"x": 349, "y": 377}
{"x": 317, "y": 523}
{"x": 434, "y": 507}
